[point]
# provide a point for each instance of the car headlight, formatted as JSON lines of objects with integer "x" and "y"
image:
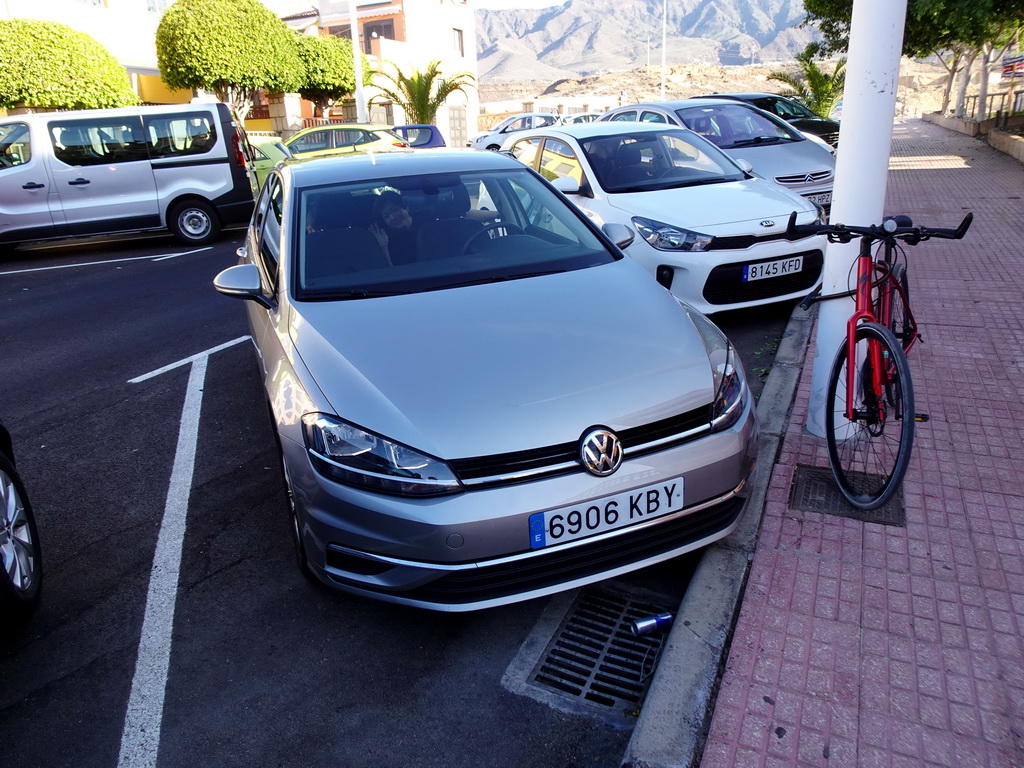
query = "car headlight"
{"x": 727, "y": 374}
{"x": 668, "y": 237}
{"x": 353, "y": 456}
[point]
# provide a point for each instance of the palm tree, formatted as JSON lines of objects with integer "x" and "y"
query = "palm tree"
{"x": 420, "y": 94}
{"x": 818, "y": 90}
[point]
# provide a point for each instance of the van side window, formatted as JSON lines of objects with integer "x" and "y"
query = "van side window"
{"x": 98, "y": 142}
{"x": 187, "y": 133}
{"x": 15, "y": 147}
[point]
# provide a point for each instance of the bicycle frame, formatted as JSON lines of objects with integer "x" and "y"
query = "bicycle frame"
{"x": 869, "y": 309}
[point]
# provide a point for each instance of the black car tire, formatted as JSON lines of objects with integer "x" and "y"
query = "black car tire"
{"x": 16, "y": 519}
{"x": 193, "y": 222}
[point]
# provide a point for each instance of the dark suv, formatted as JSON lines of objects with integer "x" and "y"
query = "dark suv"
{"x": 793, "y": 112}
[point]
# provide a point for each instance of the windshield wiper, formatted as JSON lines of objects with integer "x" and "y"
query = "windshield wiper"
{"x": 757, "y": 140}
{"x": 353, "y": 293}
{"x": 494, "y": 279}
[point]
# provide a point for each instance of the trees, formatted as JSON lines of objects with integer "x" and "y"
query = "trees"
{"x": 957, "y": 31}
{"x": 421, "y": 93}
{"x": 46, "y": 64}
{"x": 232, "y": 47}
{"x": 817, "y": 89}
{"x": 329, "y": 69}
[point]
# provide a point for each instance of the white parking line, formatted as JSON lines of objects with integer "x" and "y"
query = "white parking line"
{"x": 140, "y": 737}
{"x": 159, "y": 257}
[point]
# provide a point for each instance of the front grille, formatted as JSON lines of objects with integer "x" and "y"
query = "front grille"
{"x": 725, "y": 284}
{"x": 805, "y": 178}
{"x": 518, "y": 466}
{"x": 564, "y": 564}
{"x": 739, "y": 242}
{"x": 832, "y": 137}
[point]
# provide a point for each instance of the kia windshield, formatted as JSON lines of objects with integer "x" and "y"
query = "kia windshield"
{"x": 636, "y": 161}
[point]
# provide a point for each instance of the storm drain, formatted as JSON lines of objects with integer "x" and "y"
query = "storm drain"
{"x": 594, "y": 656}
{"x": 814, "y": 490}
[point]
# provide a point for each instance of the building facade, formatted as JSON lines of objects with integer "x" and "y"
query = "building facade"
{"x": 393, "y": 33}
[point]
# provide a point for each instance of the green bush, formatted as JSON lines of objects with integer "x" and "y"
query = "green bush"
{"x": 232, "y": 47}
{"x": 329, "y": 69}
{"x": 49, "y": 65}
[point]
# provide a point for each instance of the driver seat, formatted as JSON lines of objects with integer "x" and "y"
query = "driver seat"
{"x": 447, "y": 233}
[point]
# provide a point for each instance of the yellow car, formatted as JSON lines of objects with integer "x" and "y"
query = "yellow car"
{"x": 343, "y": 137}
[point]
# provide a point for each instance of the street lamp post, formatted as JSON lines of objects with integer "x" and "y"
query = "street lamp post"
{"x": 664, "y": 39}
{"x": 357, "y": 62}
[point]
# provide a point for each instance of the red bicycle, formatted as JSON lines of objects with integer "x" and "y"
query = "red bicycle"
{"x": 869, "y": 405}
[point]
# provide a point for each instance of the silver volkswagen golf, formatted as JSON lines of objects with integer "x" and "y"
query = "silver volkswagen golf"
{"x": 479, "y": 399}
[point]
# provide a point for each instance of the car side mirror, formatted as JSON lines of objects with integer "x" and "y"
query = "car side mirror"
{"x": 567, "y": 185}
{"x": 282, "y": 147}
{"x": 243, "y": 282}
{"x": 619, "y": 234}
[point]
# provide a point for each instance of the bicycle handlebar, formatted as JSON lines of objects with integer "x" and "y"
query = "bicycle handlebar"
{"x": 892, "y": 227}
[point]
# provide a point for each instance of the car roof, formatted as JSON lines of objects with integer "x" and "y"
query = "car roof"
{"x": 606, "y": 128}
{"x": 366, "y": 166}
{"x": 672, "y": 104}
{"x": 747, "y": 95}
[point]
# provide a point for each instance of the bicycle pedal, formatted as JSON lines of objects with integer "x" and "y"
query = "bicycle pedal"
{"x": 921, "y": 417}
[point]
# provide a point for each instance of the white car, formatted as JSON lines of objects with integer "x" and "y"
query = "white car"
{"x": 776, "y": 150}
{"x": 708, "y": 229}
{"x": 523, "y": 121}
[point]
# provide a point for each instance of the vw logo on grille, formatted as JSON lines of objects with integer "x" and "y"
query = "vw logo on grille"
{"x": 767, "y": 223}
{"x": 600, "y": 452}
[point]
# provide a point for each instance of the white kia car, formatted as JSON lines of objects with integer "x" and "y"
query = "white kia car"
{"x": 708, "y": 229}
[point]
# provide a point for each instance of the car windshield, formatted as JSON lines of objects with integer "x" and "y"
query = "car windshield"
{"x": 736, "y": 125}
{"x": 654, "y": 160}
{"x": 411, "y": 234}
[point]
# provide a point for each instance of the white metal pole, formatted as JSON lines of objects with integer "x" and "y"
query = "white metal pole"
{"x": 357, "y": 62}
{"x": 862, "y": 165}
{"x": 664, "y": 39}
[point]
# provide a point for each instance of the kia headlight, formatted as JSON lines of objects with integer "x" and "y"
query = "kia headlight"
{"x": 668, "y": 237}
{"x": 728, "y": 379}
{"x": 354, "y": 456}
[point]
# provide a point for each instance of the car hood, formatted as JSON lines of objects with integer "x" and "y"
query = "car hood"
{"x": 729, "y": 208}
{"x": 786, "y": 159}
{"x": 510, "y": 366}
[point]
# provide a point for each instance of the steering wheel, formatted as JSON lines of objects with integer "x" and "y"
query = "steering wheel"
{"x": 512, "y": 228}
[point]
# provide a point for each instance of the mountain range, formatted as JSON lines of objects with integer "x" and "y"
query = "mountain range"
{"x": 588, "y": 37}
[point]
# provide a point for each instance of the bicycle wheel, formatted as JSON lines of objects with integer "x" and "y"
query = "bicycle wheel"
{"x": 869, "y": 455}
{"x": 897, "y": 294}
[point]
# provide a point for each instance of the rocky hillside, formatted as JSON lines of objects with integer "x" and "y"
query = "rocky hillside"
{"x": 584, "y": 37}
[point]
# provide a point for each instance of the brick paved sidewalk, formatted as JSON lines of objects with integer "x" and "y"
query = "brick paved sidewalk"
{"x": 861, "y": 644}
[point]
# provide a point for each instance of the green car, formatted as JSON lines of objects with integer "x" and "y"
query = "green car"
{"x": 320, "y": 140}
{"x": 265, "y": 154}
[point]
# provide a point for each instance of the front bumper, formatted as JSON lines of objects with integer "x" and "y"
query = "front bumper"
{"x": 472, "y": 550}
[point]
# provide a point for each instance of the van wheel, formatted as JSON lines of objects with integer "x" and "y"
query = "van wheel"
{"x": 194, "y": 222}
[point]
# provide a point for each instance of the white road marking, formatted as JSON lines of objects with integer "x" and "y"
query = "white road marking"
{"x": 160, "y": 257}
{"x": 187, "y": 360}
{"x": 140, "y": 737}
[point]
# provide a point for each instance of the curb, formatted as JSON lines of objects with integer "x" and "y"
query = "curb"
{"x": 672, "y": 725}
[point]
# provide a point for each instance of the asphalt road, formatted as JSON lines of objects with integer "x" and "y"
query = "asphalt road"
{"x": 264, "y": 668}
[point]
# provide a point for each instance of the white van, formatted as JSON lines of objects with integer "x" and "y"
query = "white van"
{"x": 97, "y": 171}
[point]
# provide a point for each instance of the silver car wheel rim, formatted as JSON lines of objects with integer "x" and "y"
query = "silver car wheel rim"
{"x": 16, "y": 549}
{"x": 195, "y": 223}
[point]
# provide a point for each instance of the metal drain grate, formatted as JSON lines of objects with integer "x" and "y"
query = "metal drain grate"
{"x": 814, "y": 490}
{"x": 594, "y": 656}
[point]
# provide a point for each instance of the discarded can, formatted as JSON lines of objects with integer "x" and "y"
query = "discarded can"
{"x": 660, "y": 622}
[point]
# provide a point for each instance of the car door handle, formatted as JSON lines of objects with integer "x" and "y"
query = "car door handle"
{"x": 79, "y": 182}
{"x": 33, "y": 185}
